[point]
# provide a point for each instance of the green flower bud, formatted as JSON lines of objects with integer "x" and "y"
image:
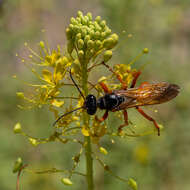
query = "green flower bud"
{"x": 34, "y": 142}
{"x": 78, "y": 19}
{"x": 107, "y": 55}
{"x": 81, "y": 54}
{"x": 17, "y": 128}
{"x": 97, "y": 35}
{"x": 91, "y": 26}
{"x": 73, "y": 21}
{"x": 133, "y": 184}
{"x": 66, "y": 181}
{"x": 70, "y": 47}
{"x": 42, "y": 44}
{"x": 68, "y": 33}
{"x": 86, "y": 18}
{"x": 98, "y": 44}
{"x": 111, "y": 41}
{"x": 107, "y": 31}
{"x": 115, "y": 37}
{"x": 103, "y": 23}
{"x": 80, "y": 44}
{"x": 84, "y": 21}
{"x": 18, "y": 164}
{"x": 96, "y": 26}
{"x": 80, "y": 14}
{"x": 90, "y": 44}
{"x": 91, "y": 33}
{"x": 145, "y": 50}
{"x": 83, "y": 32}
{"x": 89, "y": 15}
{"x": 87, "y": 38}
{"x": 103, "y": 35}
{"x": 76, "y": 29}
{"x": 108, "y": 43}
{"x": 98, "y": 19}
{"x": 71, "y": 26}
{"x": 78, "y": 36}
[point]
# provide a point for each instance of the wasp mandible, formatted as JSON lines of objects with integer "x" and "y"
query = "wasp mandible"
{"x": 133, "y": 97}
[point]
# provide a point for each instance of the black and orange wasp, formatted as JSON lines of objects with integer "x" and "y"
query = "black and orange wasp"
{"x": 133, "y": 97}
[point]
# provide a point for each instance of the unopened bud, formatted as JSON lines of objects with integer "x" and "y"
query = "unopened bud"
{"x": 145, "y": 50}
{"x": 66, "y": 181}
{"x": 42, "y": 44}
{"x": 133, "y": 184}
{"x": 90, "y": 44}
{"x": 80, "y": 14}
{"x": 81, "y": 54}
{"x": 89, "y": 15}
{"x": 18, "y": 164}
{"x": 80, "y": 44}
{"x": 107, "y": 55}
{"x": 17, "y": 128}
{"x": 98, "y": 19}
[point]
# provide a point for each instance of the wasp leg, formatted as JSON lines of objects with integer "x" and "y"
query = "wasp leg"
{"x": 105, "y": 87}
{"x": 136, "y": 76}
{"x": 149, "y": 118}
{"x": 123, "y": 83}
{"x": 125, "y": 114}
{"x": 103, "y": 118}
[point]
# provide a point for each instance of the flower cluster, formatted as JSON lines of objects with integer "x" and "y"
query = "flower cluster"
{"x": 90, "y": 37}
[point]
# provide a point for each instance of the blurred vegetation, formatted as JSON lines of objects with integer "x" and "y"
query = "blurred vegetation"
{"x": 154, "y": 162}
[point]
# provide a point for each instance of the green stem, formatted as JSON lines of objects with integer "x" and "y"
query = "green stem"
{"x": 87, "y": 140}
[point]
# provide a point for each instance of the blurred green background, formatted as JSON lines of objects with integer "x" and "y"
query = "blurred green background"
{"x": 159, "y": 163}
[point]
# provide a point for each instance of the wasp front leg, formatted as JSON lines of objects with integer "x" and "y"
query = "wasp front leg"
{"x": 125, "y": 114}
{"x": 123, "y": 83}
{"x": 103, "y": 118}
{"x": 105, "y": 87}
{"x": 149, "y": 118}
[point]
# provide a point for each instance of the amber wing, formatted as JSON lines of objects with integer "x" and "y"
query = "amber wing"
{"x": 148, "y": 94}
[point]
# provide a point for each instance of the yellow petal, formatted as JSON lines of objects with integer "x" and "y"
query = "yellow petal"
{"x": 47, "y": 75}
{"x": 103, "y": 150}
{"x": 57, "y": 103}
{"x": 85, "y": 131}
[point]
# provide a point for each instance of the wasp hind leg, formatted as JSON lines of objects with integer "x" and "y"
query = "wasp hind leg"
{"x": 149, "y": 118}
{"x": 125, "y": 114}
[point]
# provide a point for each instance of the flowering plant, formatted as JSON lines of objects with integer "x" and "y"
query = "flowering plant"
{"x": 90, "y": 44}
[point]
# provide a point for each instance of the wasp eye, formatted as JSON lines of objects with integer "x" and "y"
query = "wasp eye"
{"x": 90, "y": 104}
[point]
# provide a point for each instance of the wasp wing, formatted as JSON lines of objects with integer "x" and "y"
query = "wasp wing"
{"x": 148, "y": 94}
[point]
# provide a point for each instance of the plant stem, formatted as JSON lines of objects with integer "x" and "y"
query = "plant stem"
{"x": 87, "y": 140}
{"x": 89, "y": 164}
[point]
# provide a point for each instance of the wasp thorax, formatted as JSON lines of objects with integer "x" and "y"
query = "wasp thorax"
{"x": 90, "y": 104}
{"x": 108, "y": 102}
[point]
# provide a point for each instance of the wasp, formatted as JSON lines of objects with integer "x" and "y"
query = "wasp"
{"x": 132, "y": 97}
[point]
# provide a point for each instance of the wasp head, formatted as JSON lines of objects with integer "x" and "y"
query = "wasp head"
{"x": 90, "y": 104}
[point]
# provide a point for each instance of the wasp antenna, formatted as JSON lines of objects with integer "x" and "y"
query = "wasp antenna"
{"x": 76, "y": 85}
{"x": 67, "y": 114}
